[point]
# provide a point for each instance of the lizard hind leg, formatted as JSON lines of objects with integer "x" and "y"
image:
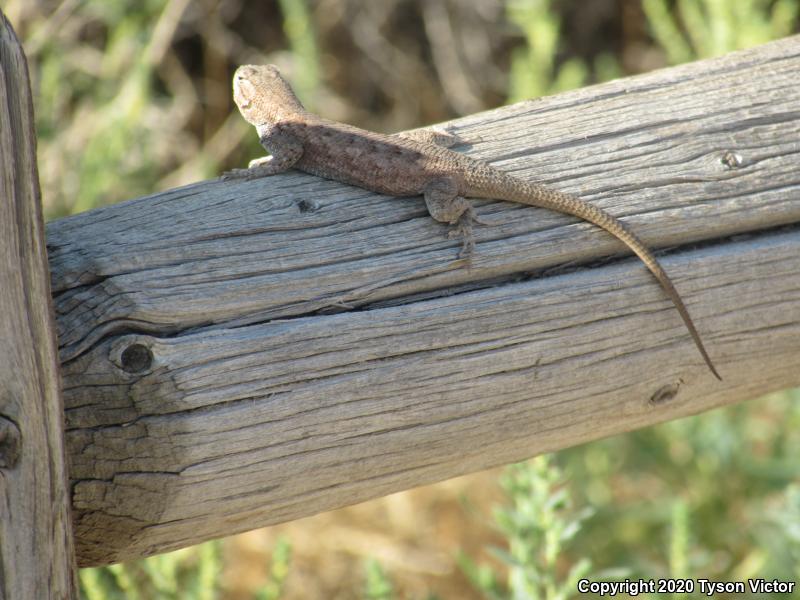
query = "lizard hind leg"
{"x": 446, "y": 206}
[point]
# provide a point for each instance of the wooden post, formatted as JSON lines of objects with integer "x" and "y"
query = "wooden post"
{"x": 37, "y": 559}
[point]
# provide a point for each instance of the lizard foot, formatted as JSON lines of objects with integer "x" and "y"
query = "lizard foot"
{"x": 236, "y": 174}
{"x": 463, "y": 229}
{"x": 254, "y": 171}
{"x": 258, "y": 167}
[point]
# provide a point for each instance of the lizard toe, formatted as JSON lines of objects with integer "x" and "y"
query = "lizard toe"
{"x": 235, "y": 174}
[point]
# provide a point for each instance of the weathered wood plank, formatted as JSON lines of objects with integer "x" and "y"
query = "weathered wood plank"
{"x": 649, "y": 149}
{"x": 210, "y": 389}
{"x": 37, "y": 558}
{"x": 229, "y": 429}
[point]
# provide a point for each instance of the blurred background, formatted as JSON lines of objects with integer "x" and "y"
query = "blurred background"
{"x": 133, "y": 97}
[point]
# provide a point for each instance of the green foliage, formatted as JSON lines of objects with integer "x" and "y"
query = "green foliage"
{"x": 725, "y": 466}
{"x": 686, "y": 498}
{"x": 679, "y": 540}
{"x": 188, "y": 574}
{"x": 533, "y": 70}
{"x": 92, "y": 111}
{"x": 685, "y": 30}
{"x": 299, "y": 29}
{"x": 377, "y": 585}
{"x": 278, "y": 572}
{"x": 706, "y": 28}
{"x": 107, "y": 127}
{"x": 533, "y": 65}
{"x": 786, "y": 524}
{"x": 539, "y": 523}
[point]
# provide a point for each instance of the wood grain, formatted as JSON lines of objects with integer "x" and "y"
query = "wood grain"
{"x": 36, "y": 552}
{"x": 243, "y": 353}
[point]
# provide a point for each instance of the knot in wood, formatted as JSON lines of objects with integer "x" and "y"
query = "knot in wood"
{"x": 732, "y": 160}
{"x": 10, "y": 442}
{"x": 136, "y": 358}
{"x": 665, "y": 393}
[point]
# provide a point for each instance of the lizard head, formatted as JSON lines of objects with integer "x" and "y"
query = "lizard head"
{"x": 263, "y": 95}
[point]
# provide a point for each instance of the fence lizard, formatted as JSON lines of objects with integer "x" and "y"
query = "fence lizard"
{"x": 410, "y": 164}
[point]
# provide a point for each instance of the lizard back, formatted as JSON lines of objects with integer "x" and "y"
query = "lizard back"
{"x": 381, "y": 163}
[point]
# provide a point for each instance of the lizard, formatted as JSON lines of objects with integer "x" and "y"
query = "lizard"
{"x": 416, "y": 163}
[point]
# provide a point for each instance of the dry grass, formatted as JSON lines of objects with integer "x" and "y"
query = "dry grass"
{"x": 415, "y": 535}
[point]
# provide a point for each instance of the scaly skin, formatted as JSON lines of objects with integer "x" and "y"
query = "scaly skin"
{"x": 412, "y": 164}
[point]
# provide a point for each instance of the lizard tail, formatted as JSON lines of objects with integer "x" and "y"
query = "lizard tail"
{"x": 537, "y": 195}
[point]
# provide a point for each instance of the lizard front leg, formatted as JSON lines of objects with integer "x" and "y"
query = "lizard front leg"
{"x": 285, "y": 150}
